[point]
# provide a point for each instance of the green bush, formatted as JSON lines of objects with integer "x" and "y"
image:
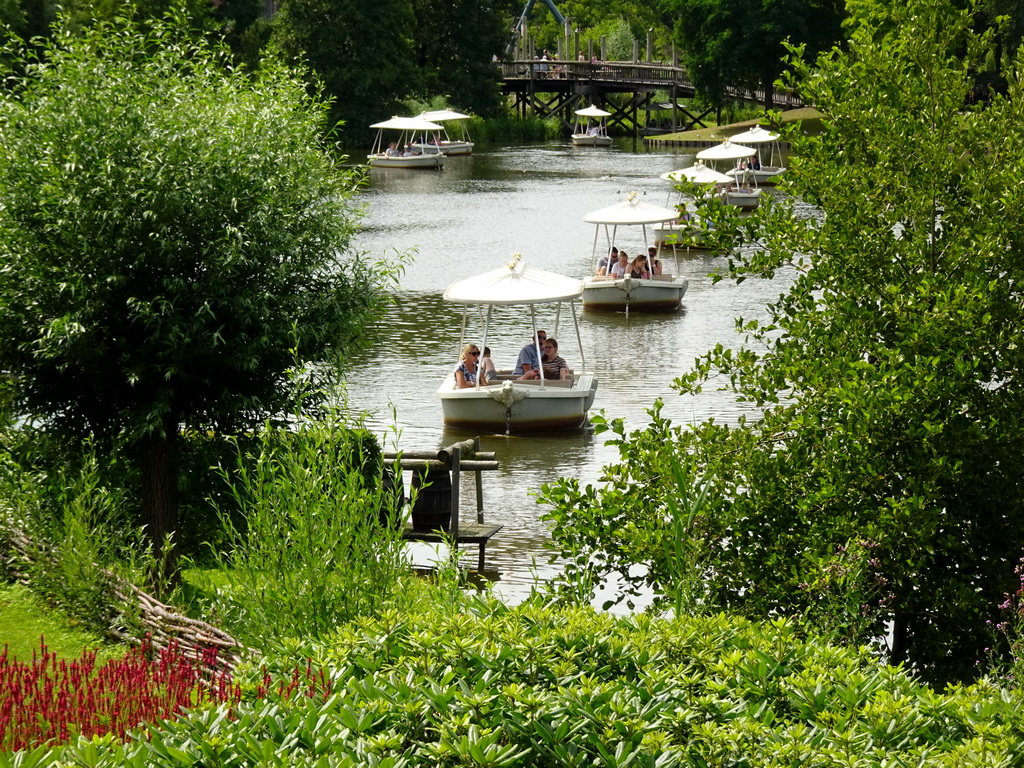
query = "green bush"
{"x": 320, "y": 542}
{"x": 490, "y": 685}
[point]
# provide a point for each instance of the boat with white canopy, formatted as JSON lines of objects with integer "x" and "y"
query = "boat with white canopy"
{"x": 443, "y": 141}
{"x": 512, "y": 405}
{"x": 657, "y": 293}
{"x": 765, "y": 170}
{"x": 590, "y": 129}
{"x": 406, "y": 130}
{"x": 687, "y": 230}
{"x": 743, "y": 192}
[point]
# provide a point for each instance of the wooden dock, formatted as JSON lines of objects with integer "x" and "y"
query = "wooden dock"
{"x": 464, "y": 456}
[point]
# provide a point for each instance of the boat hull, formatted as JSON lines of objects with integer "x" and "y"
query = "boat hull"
{"x": 435, "y": 160}
{"x": 447, "y": 147}
{"x": 605, "y": 294}
{"x": 586, "y": 140}
{"x": 767, "y": 175}
{"x": 745, "y": 200}
{"x": 517, "y": 407}
{"x": 669, "y": 235}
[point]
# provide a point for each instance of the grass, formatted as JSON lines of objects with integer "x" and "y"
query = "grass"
{"x": 24, "y": 618}
{"x": 807, "y": 115}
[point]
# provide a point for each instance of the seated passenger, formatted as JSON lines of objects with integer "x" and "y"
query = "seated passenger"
{"x": 638, "y": 268}
{"x": 392, "y": 150}
{"x": 604, "y": 261}
{"x": 619, "y": 268}
{"x": 467, "y": 370}
{"x": 528, "y": 360}
{"x": 653, "y": 260}
{"x": 554, "y": 366}
{"x": 490, "y": 374}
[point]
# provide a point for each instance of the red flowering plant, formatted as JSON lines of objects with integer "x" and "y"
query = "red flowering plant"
{"x": 49, "y": 700}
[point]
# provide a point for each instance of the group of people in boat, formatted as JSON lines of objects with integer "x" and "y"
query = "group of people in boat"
{"x": 394, "y": 151}
{"x": 617, "y": 264}
{"x": 474, "y": 365}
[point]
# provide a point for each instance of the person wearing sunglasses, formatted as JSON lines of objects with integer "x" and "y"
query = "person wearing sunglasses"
{"x": 529, "y": 361}
{"x": 468, "y": 368}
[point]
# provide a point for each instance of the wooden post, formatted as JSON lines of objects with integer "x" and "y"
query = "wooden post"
{"x": 453, "y": 530}
{"x": 650, "y": 45}
{"x": 636, "y": 51}
{"x": 479, "y": 487}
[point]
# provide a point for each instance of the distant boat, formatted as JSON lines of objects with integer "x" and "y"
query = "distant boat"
{"x": 590, "y": 129}
{"x": 406, "y": 130}
{"x": 658, "y": 293}
{"x": 687, "y": 231}
{"x": 743, "y": 192}
{"x": 511, "y": 405}
{"x": 443, "y": 142}
{"x": 767, "y": 170}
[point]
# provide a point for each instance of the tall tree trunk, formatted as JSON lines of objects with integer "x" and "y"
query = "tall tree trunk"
{"x": 768, "y": 83}
{"x": 160, "y": 497}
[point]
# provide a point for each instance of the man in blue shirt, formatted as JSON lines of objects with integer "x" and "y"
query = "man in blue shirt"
{"x": 529, "y": 360}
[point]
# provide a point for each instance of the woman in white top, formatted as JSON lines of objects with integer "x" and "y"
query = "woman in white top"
{"x": 619, "y": 268}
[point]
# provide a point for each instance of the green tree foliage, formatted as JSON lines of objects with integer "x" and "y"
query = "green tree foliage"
{"x": 175, "y": 241}
{"x": 453, "y": 46}
{"x": 878, "y": 492}
{"x": 362, "y": 53}
{"x": 740, "y": 42}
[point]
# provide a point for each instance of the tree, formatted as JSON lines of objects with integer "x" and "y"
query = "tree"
{"x": 362, "y": 52}
{"x": 453, "y": 48}
{"x": 175, "y": 243}
{"x": 740, "y": 42}
{"x": 877, "y": 492}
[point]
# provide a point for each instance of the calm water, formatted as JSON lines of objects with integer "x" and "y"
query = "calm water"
{"x": 470, "y": 218}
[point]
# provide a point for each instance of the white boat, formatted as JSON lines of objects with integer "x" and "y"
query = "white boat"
{"x": 442, "y": 141}
{"x": 511, "y": 405}
{"x": 590, "y": 129}
{"x": 406, "y": 129}
{"x": 660, "y": 293}
{"x": 689, "y": 232}
{"x": 767, "y": 169}
{"x": 743, "y": 192}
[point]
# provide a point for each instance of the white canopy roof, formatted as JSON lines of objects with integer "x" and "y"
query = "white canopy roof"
{"x": 699, "y": 173}
{"x": 756, "y": 135}
{"x": 515, "y": 283}
{"x": 631, "y": 211}
{"x": 726, "y": 151}
{"x": 592, "y": 111}
{"x": 408, "y": 124}
{"x": 439, "y": 115}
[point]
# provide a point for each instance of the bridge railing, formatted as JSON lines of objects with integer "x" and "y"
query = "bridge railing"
{"x": 647, "y": 73}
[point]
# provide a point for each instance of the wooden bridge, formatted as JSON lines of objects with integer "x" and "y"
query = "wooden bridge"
{"x": 625, "y": 89}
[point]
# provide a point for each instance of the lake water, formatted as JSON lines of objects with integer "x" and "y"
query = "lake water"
{"x": 472, "y": 217}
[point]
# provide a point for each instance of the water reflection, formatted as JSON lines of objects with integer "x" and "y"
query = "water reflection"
{"x": 470, "y": 218}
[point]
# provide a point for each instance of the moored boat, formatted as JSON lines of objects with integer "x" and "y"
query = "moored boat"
{"x": 605, "y": 292}
{"x": 743, "y": 191}
{"x": 442, "y": 141}
{"x": 510, "y": 404}
{"x": 764, "y": 170}
{"x": 590, "y": 129}
{"x": 687, "y": 230}
{"x": 401, "y": 153}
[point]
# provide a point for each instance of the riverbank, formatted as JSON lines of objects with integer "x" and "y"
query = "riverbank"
{"x": 706, "y": 137}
